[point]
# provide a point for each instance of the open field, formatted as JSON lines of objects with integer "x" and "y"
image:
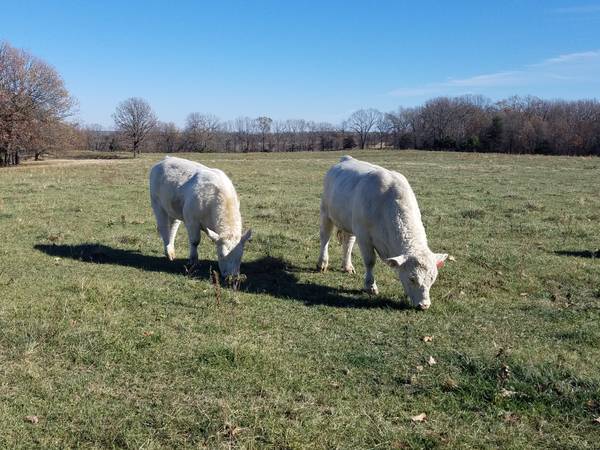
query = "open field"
{"x": 111, "y": 345}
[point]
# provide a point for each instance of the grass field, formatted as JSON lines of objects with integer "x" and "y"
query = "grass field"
{"x": 108, "y": 344}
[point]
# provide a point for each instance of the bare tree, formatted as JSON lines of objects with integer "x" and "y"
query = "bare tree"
{"x": 166, "y": 137}
{"x": 96, "y": 138}
{"x": 384, "y": 126}
{"x": 264, "y": 127}
{"x": 200, "y": 130}
{"x": 227, "y": 137}
{"x": 362, "y": 122}
{"x": 279, "y": 135}
{"x": 135, "y": 119}
{"x": 245, "y": 127}
{"x": 33, "y": 99}
{"x": 402, "y": 128}
{"x": 297, "y": 129}
{"x": 325, "y": 133}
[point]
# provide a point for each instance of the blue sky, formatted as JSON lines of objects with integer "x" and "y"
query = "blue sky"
{"x": 317, "y": 60}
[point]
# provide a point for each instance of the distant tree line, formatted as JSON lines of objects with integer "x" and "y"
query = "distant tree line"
{"x": 514, "y": 125}
{"x": 206, "y": 133}
{"x": 35, "y": 106}
{"x": 466, "y": 123}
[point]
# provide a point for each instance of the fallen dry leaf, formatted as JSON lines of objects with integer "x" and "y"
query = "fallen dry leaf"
{"x": 431, "y": 361}
{"x": 32, "y": 419}
{"x": 419, "y": 418}
{"x": 148, "y": 333}
{"x": 419, "y": 368}
{"x": 427, "y": 338}
{"x": 231, "y": 430}
{"x": 506, "y": 393}
{"x": 451, "y": 258}
{"x": 597, "y": 419}
{"x": 450, "y": 384}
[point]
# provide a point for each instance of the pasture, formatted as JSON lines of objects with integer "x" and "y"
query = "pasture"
{"x": 108, "y": 344}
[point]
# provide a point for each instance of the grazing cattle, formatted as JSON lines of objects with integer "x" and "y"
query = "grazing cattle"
{"x": 204, "y": 199}
{"x": 378, "y": 208}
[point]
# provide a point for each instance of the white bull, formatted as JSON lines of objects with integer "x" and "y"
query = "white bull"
{"x": 204, "y": 199}
{"x": 378, "y": 208}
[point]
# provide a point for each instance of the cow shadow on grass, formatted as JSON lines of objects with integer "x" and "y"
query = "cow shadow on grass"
{"x": 266, "y": 275}
{"x": 579, "y": 253}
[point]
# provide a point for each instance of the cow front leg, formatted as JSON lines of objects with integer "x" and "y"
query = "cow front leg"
{"x": 368, "y": 254}
{"x": 193, "y": 230}
{"x": 325, "y": 235}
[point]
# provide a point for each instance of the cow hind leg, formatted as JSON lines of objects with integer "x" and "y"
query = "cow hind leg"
{"x": 347, "y": 240}
{"x": 368, "y": 254}
{"x": 325, "y": 235}
{"x": 173, "y": 227}
{"x": 165, "y": 226}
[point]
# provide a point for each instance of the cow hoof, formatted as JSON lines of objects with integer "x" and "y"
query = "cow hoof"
{"x": 171, "y": 254}
{"x": 371, "y": 290}
{"x": 349, "y": 269}
{"x": 322, "y": 267}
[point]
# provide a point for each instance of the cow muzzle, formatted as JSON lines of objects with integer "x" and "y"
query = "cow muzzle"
{"x": 424, "y": 305}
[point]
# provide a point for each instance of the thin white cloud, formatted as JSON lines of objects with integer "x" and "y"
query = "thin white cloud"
{"x": 490, "y": 79}
{"x": 571, "y": 57}
{"x": 562, "y": 69}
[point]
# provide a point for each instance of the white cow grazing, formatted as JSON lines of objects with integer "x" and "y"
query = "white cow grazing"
{"x": 378, "y": 208}
{"x": 204, "y": 199}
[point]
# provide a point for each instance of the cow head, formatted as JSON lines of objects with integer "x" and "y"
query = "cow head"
{"x": 229, "y": 251}
{"x": 417, "y": 274}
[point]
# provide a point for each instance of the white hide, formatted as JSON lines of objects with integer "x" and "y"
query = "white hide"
{"x": 204, "y": 199}
{"x": 378, "y": 209}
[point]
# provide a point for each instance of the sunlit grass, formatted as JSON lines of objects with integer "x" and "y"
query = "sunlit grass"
{"x": 111, "y": 345}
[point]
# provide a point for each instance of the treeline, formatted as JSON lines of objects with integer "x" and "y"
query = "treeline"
{"x": 467, "y": 123}
{"x": 206, "y": 133}
{"x": 514, "y": 125}
{"x": 35, "y": 106}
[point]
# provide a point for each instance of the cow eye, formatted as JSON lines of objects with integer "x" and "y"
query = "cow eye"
{"x": 413, "y": 280}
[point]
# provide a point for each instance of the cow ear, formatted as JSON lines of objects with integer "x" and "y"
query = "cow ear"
{"x": 212, "y": 235}
{"x": 440, "y": 259}
{"x": 247, "y": 236}
{"x": 396, "y": 261}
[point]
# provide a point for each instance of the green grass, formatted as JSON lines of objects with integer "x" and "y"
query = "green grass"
{"x": 111, "y": 345}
